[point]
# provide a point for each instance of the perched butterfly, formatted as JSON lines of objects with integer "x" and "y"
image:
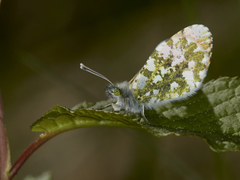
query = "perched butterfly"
{"x": 174, "y": 71}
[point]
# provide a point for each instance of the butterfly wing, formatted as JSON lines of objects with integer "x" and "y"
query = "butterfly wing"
{"x": 176, "y": 68}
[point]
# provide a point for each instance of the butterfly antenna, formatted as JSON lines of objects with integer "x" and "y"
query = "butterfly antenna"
{"x": 85, "y": 68}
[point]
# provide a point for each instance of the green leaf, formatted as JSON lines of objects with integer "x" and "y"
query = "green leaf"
{"x": 60, "y": 119}
{"x": 212, "y": 114}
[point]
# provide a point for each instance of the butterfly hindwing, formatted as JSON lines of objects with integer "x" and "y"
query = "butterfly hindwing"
{"x": 176, "y": 68}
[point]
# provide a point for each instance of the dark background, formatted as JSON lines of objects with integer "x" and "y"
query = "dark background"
{"x": 41, "y": 46}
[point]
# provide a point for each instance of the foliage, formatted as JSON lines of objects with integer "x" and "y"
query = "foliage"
{"x": 212, "y": 114}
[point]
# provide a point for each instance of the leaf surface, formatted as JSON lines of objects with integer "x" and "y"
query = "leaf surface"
{"x": 213, "y": 114}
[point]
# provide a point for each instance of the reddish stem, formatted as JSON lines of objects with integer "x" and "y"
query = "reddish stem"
{"x": 28, "y": 151}
{"x": 4, "y": 154}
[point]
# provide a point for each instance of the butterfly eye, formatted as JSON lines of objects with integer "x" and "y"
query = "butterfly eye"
{"x": 117, "y": 92}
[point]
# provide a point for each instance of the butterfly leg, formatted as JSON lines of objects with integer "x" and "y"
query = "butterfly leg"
{"x": 116, "y": 107}
{"x": 103, "y": 107}
{"x": 143, "y": 115}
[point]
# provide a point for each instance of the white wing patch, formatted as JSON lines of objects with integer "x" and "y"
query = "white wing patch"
{"x": 157, "y": 78}
{"x": 142, "y": 82}
{"x": 174, "y": 85}
{"x": 150, "y": 65}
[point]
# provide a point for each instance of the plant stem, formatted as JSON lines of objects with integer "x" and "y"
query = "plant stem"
{"x": 28, "y": 151}
{"x": 4, "y": 149}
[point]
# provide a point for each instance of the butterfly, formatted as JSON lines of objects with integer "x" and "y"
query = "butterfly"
{"x": 174, "y": 71}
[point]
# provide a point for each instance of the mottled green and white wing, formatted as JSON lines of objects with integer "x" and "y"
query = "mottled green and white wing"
{"x": 176, "y": 68}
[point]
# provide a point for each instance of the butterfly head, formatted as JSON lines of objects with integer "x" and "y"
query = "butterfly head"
{"x": 113, "y": 92}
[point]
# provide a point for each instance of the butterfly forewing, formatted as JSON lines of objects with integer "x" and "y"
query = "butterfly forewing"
{"x": 176, "y": 68}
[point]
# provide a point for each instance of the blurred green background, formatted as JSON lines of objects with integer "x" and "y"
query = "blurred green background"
{"x": 41, "y": 46}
